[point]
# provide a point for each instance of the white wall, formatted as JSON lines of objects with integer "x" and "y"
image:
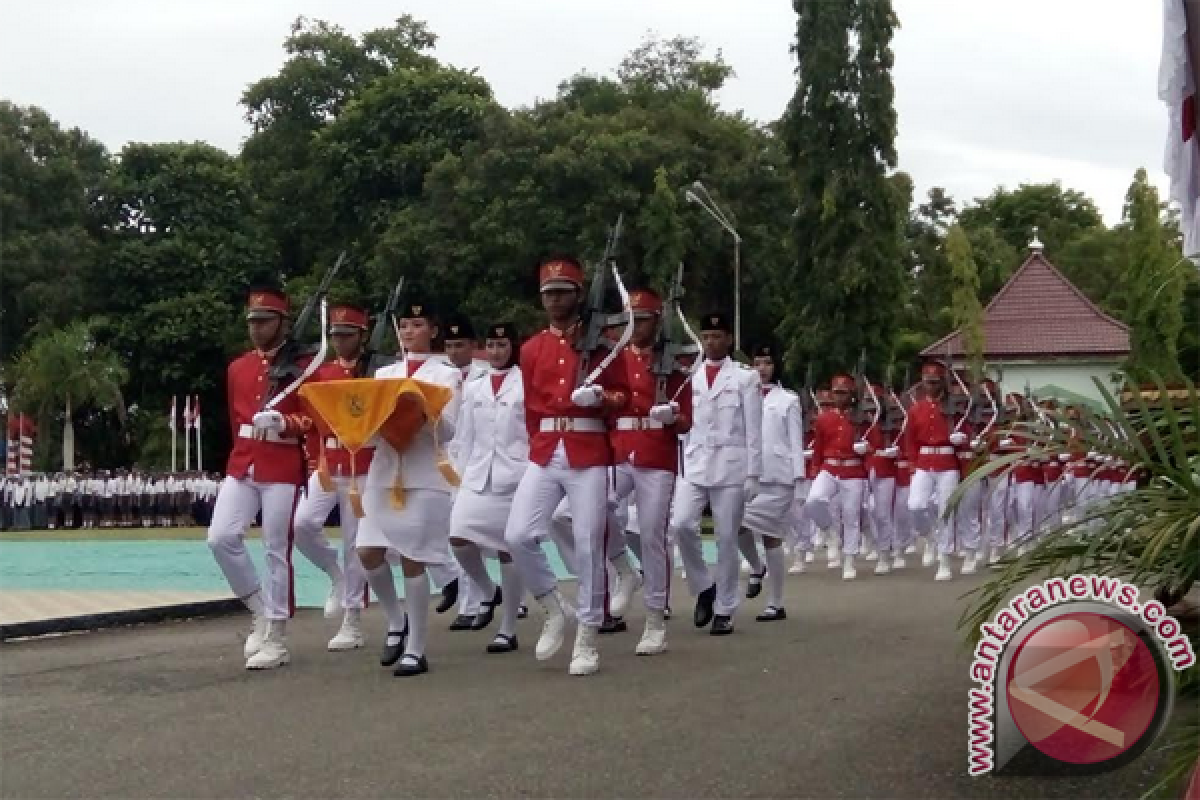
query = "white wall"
{"x": 1074, "y": 376}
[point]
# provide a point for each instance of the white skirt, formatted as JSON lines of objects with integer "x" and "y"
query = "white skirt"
{"x": 768, "y": 513}
{"x": 420, "y": 531}
{"x": 480, "y": 518}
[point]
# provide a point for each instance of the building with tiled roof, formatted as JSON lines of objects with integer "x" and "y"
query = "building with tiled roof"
{"x": 1041, "y": 332}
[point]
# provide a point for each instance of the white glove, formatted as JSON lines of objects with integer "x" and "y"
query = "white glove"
{"x": 1064, "y": 457}
{"x": 269, "y": 421}
{"x": 861, "y": 448}
{"x": 1007, "y": 443}
{"x": 1093, "y": 455}
{"x": 808, "y": 454}
{"x": 958, "y": 438}
{"x": 588, "y": 396}
{"x": 665, "y": 413}
{"x": 890, "y": 452}
{"x": 977, "y": 444}
{"x": 751, "y": 489}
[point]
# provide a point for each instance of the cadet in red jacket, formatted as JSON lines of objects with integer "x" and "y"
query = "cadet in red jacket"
{"x": 570, "y": 456}
{"x": 932, "y": 440}
{"x": 265, "y": 472}
{"x": 646, "y": 443}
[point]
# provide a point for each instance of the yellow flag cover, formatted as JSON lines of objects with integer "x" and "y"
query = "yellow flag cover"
{"x": 355, "y": 410}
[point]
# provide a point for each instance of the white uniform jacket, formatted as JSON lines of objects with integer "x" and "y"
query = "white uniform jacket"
{"x": 783, "y": 437}
{"x": 724, "y": 446}
{"x": 493, "y": 439}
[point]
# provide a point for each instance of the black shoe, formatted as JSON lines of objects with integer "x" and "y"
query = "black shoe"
{"x": 771, "y": 613}
{"x": 613, "y": 625}
{"x": 411, "y": 665}
{"x": 721, "y": 625}
{"x": 463, "y": 622}
{"x": 704, "y": 607}
{"x": 522, "y": 611}
{"x": 484, "y": 617}
{"x": 754, "y": 585}
{"x": 392, "y": 652}
{"x": 667, "y": 612}
{"x": 449, "y": 597}
{"x": 503, "y": 644}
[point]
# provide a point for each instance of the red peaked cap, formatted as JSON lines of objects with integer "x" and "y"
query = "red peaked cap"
{"x": 645, "y": 302}
{"x": 842, "y": 381}
{"x": 560, "y": 273}
{"x": 347, "y": 319}
{"x": 934, "y": 369}
{"x": 262, "y": 303}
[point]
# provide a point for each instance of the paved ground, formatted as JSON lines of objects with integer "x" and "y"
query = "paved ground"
{"x": 861, "y": 693}
{"x": 26, "y": 605}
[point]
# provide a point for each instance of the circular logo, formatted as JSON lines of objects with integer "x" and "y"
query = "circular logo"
{"x": 1084, "y": 688}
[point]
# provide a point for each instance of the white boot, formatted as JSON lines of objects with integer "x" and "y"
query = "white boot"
{"x": 585, "y": 660}
{"x": 834, "y": 556}
{"x": 911, "y": 550}
{"x": 628, "y": 582}
{"x": 797, "y": 568}
{"x": 872, "y": 554}
{"x": 930, "y": 556}
{"x": 898, "y": 562}
{"x": 995, "y": 556}
{"x": 554, "y": 627}
{"x": 258, "y": 632}
{"x": 969, "y": 564}
{"x": 810, "y": 556}
{"x": 654, "y": 637}
{"x": 848, "y": 573}
{"x": 274, "y": 652}
{"x": 350, "y": 635}
{"x": 333, "y": 601}
{"x": 882, "y": 567}
{"x": 944, "y": 572}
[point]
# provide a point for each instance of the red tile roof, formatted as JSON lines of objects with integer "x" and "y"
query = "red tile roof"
{"x": 1040, "y": 314}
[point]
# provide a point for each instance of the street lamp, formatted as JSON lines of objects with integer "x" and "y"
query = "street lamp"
{"x": 699, "y": 195}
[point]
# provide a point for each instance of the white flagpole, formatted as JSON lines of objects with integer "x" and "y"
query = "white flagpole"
{"x": 171, "y": 423}
{"x": 187, "y": 432}
{"x": 199, "y": 450}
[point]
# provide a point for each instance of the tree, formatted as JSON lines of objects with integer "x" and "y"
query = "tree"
{"x": 66, "y": 369}
{"x": 968, "y": 313}
{"x": 662, "y": 231}
{"x": 671, "y": 65}
{"x": 846, "y": 283}
{"x": 1153, "y": 283}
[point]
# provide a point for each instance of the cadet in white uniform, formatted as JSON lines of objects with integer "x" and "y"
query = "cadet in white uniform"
{"x": 722, "y": 462}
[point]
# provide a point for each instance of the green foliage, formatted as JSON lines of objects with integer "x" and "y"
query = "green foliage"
{"x": 968, "y": 313}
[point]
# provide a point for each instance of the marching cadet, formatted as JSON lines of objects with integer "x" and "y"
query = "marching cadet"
{"x": 781, "y": 481}
{"x": 492, "y": 446}
{"x": 570, "y": 456}
{"x": 968, "y": 515}
{"x": 645, "y": 439}
{"x": 416, "y": 535}
{"x": 722, "y": 463}
{"x": 932, "y": 443}
{"x": 881, "y": 481}
{"x": 347, "y": 333}
{"x": 459, "y": 343}
{"x": 265, "y": 472}
{"x": 840, "y": 450}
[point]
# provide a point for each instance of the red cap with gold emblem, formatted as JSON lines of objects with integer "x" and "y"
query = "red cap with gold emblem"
{"x": 645, "y": 303}
{"x": 560, "y": 273}
{"x": 347, "y": 319}
{"x": 933, "y": 369}
{"x": 266, "y": 303}
{"x": 824, "y": 398}
{"x": 842, "y": 382}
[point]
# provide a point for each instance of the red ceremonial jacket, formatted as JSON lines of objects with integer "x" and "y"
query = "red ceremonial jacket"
{"x": 549, "y": 364}
{"x": 834, "y": 435}
{"x": 877, "y": 465}
{"x": 656, "y": 448}
{"x": 929, "y": 427}
{"x": 338, "y": 459}
{"x": 272, "y": 462}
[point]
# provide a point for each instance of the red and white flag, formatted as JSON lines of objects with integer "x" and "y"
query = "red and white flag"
{"x": 1177, "y": 88}
{"x": 187, "y": 412}
{"x": 171, "y": 415}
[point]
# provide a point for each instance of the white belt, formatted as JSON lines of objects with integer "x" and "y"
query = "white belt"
{"x": 937, "y": 451}
{"x": 638, "y": 424}
{"x": 843, "y": 462}
{"x": 571, "y": 425}
{"x": 248, "y": 432}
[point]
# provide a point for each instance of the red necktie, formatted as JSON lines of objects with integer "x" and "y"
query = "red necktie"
{"x": 414, "y": 364}
{"x": 497, "y": 381}
{"x": 766, "y": 390}
{"x": 711, "y": 371}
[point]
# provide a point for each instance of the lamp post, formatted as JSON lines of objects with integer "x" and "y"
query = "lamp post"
{"x": 699, "y": 195}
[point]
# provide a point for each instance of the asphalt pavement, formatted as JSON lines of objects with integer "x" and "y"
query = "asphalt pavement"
{"x": 861, "y": 692}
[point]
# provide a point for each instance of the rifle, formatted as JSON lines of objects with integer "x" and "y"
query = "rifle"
{"x": 864, "y": 390}
{"x": 893, "y": 416}
{"x": 286, "y": 370}
{"x": 594, "y": 319}
{"x": 372, "y": 357}
{"x": 668, "y": 344}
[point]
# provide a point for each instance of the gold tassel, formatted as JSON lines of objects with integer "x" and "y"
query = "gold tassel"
{"x": 398, "y": 490}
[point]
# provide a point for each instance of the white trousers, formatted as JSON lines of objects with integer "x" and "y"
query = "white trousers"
{"x": 538, "y": 495}
{"x": 927, "y": 498}
{"x": 804, "y": 530}
{"x": 905, "y": 534}
{"x": 1025, "y": 516}
{"x": 238, "y": 503}
{"x": 311, "y": 514}
{"x": 728, "y": 505}
{"x": 652, "y": 491}
{"x": 999, "y": 499}
{"x": 846, "y": 496}
{"x": 969, "y": 517}
{"x": 883, "y": 513}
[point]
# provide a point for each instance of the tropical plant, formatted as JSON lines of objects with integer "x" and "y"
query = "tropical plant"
{"x": 1149, "y": 537}
{"x": 65, "y": 369}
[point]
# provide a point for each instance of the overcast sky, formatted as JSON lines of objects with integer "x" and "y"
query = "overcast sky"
{"x": 988, "y": 92}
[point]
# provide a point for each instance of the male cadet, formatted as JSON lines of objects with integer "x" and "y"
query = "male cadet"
{"x": 265, "y": 472}
{"x": 347, "y": 332}
{"x": 646, "y": 442}
{"x": 570, "y": 455}
{"x": 722, "y": 461}
{"x": 459, "y": 340}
